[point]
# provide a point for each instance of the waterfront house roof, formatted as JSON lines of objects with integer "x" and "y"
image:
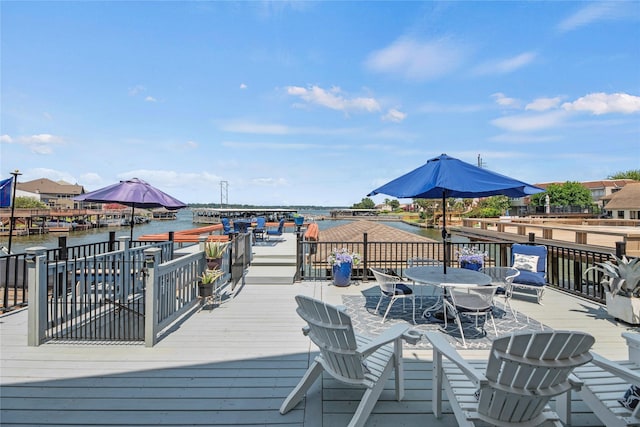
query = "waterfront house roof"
{"x": 592, "y": 185}
{"x": 47, "y": 186}
{"x": 376, "y": 232}
{"x": 626, "y": 198}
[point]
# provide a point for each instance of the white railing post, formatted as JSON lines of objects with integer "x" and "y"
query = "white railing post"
{"x": 152, "y": 259}
{"x": 37, "y": 298}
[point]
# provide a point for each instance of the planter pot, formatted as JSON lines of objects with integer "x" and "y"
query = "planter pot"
{"x": 205, "y": 291}
{"x": 470, "y": 265}
{"x": 624, "y": 308}
{"x": 214, "y": 263}
{"x": 342, "y": 274}
{"x": 299, "y": 220}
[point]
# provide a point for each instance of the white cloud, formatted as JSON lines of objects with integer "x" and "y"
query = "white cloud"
{"x": 52, "y": 174}
{"x": 417, "y": 60}
{"x": 243, "y": 86}
{"x": 258, "y": 128}
{"x": 269, "y": 145}
{"x": 433, "y": 107}
{"x": 506, "y": 65}
{"x": 602, "y": 103}
{"x": 333, "y": 99}
{"x": 530, "y": 122}
{"x": 394, "y": 115}
{"x": 245, "y": 126}
{"x": 520, "y": 138}
{"x": 6, "y": 139}
{"x": 39, "y": 144}
{"x": 136, "y": 90}
{"x": 90, "y": 178}
{"x": 169, "y": 181}
{"x": 150, "y": 99}
{"x": 593, "y": 12}
{"x": 191, "y": 144}
{"x": 543, "y": 104}
{"x": 269, "y": 182}
{"x": 504, "y": 101}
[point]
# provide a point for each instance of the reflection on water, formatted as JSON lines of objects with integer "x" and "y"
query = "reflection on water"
{"x": 183, "y": 222}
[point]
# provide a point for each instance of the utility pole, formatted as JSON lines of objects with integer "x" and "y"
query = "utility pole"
{"x": 224, "y": 193}
{"x": 481, "y": 163}
{"x": 12, "y": 220}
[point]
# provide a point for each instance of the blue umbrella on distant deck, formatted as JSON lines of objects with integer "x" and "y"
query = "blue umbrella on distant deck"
{"x": 444, "y": 177}
{"x": 135, "y": 193}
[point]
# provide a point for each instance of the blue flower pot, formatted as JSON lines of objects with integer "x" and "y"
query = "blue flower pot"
{"x": 298, "y": 220}
{"x": 470, "y": 265}
{"x": 342, "y": 274}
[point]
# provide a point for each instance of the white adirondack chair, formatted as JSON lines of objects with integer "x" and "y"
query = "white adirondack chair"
{"x": 606, "y": 381}
{"x": 523, "y": 372}
{"x": 350, "y": 358}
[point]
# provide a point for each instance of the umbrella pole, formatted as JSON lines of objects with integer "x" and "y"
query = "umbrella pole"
{"x": 133, "y": 208}
{"x": 444, "y": 231}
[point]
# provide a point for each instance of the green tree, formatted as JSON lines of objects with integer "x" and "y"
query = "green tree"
{"x": 365, "y": 203}
{"x": 630, "y": 174}
{"x": 395, "y": 204}
{"x": 490, "y": 207}
{"x": 29, "y": 203}
{"x": 567, "y": 194}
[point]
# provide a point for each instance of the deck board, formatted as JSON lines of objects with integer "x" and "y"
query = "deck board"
{"x": 233, "y": 365}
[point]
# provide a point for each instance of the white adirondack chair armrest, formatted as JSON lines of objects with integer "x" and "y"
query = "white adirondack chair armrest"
{"x": 387, "y": 336}
{"x": 442, "y": 346}
{"x": 618, "y": 370}
{"x": 576, "y": 383}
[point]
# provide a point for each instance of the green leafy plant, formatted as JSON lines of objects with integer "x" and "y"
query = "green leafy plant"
{"x": 215, "y": 249}
{"x": 621, "y": 277}
{"x": 208, "y": 277}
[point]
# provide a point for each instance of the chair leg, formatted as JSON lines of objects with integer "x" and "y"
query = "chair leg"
{"x": 370, "y": 398}
{"x": 379, "y": 301}
{"x": 388, "y": 308}
{"x": 296, "y": 395}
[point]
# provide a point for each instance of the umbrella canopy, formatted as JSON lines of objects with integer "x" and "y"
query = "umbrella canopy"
{"x": 135, "y": 193}
{"x": 444, "y": 177}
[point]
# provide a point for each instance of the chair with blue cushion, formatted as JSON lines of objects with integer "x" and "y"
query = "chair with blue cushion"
{"x": 277, "y": 232}
{"x": 226, "y": 226}
{"x": 392, "y": 287}
{"x": 531, "y": 263}
{"x": 258, "y": 232}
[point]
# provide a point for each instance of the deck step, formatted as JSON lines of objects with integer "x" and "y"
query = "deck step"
{"x": 273, "y": 261}
{"x": 270, "y": 275}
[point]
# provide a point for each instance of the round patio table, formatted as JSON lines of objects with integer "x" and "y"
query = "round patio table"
{"x": 433, "y": 275}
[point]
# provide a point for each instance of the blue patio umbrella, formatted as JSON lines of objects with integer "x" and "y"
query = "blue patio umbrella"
{"x": 135, "y": 193}
{"x": 444, "y": 177}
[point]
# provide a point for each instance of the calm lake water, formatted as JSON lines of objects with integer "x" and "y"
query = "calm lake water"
{"x": 183, "y": 222}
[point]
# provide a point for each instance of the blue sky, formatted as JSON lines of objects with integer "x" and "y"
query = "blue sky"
{"x": 315, "y": 102}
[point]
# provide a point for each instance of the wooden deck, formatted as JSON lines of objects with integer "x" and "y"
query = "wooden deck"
{"x": 234, "y": 365}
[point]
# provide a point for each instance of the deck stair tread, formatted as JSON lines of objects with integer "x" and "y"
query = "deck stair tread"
{"x": 272, "y": 275}
{"x": 273, "y": 261}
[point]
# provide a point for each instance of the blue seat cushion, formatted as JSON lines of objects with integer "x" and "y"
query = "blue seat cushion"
{"x": 530, "y": 278}
{"x": 401, "y": 289}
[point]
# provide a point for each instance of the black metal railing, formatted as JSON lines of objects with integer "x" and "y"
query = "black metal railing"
{"x": 565, "y": 266}
{"x": 13, "y": 269}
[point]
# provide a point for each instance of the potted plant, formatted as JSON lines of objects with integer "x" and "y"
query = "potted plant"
{"x": 213, "y": 252}
{"x": 621, "y": 281}
{"x": 342, "y": 261}
{"x": 471, "y": 258}
{"x": 207, "y": 282}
